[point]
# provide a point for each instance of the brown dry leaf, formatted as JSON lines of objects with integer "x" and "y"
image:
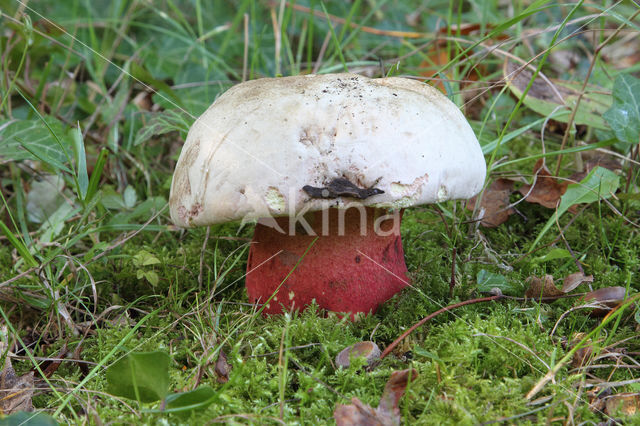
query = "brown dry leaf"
{"x": 596, "y": 397}
{"x": 591, "y": 161}
{"x": 356, "y": 414}
{"x": 494, "y": 203}
{"x": 583, "y": 354}
{"x": 437, "y": 56}
{"x": 626, "y": 404}
{"x": 143, "y": 101}
{"x": 15, "y": 392}
{"x": 546, "y": 190}
{"x": 547, "y": 96}
{"x": 222, "y": 368}
{"x": 607, "y": 297}
{"x": 542, "y": 287}
{"x": 393, "y": 391}
{"x": 387, "y": 413}
{"x": 574, "y": 280}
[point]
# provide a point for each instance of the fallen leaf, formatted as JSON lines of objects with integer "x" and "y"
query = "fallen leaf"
{"x": 356, "y": 414}
{"x": 625, "y": 404}
{"x": 50, "y": 367}
{"x": 15, "y": 392}
{"x": 546, "y": 190}
{"x": 607, "y": 297}
{"x": 546, "y": 96}
{"x": 387, "y": 413}
{"x": 366, "y": 349}
{"x": 599, "y": 184}
{"x": 393, "y": 391}
{"x": 222, "y": 368}
{"x": 542, "y": 288}
{"x": 574, "y": 280}
{"x": 438, "y": 56}
{"x": 595, "y": 159}
{"x": 494, "y": 204}
{"x": 583, "y": 354}
{"x": 591, "y": 161}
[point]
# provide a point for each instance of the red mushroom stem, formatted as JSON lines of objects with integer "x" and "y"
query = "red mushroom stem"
{"x": 355, "y": 265}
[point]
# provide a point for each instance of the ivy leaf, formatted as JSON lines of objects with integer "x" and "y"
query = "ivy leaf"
{"x": 624, "y": 114}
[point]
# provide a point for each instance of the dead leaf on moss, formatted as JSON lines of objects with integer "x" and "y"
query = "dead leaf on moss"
{"x": 574, "y": 280}
{"x": 607, "y": 297}
{"x": 387, "y": 413}
{"x": 593, "y": 160}
{"x": 542, "y": 288}
{"x": 547, "y": 96}
{"x": 583, "y": 354}
{"x": 222, "y": 368}
{"x": 15, "y": 392}
{"x": 546, "y": 189}
{"x": 439, "y": 55}
{"x": 494, "y": 205}
{"x": 623, "y": 404}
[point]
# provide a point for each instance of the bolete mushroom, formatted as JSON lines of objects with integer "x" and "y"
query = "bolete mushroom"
{"x": 325, "y": 164}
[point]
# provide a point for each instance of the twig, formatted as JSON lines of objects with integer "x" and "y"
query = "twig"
{"x": 395, "y": 343}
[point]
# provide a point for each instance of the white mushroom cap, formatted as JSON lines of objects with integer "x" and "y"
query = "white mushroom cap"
{"x": 249, "y": 155}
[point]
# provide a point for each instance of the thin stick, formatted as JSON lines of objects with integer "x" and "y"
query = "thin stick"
{"x": 395, "y": 343}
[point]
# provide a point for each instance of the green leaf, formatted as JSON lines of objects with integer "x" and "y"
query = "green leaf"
{"x": 422, "y": 352}
{"x": 143, "y": 376}
{"x": 195, "y": 400}
{"x": 162, "y": 122}
{"x": 81, "y": 163}
{"x": 19, "y": 245}
{"x": 600, "y": 183}
{"x": 624, "y": 114}
{"x": 32, "y": 140}
{"x": 152, "y": 277}
{"x": 556, "y": 253}
{"x": 97, "y": 173}
{"x": 144, "y": 258}
{"x": 142, "y": 210}
{"x": 54, "y": 224}
{"x": 22, "y": 418}
{"x": 44, "y": 197}
{"x": 489, "y": 280}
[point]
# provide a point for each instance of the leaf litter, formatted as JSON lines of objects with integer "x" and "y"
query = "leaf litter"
{"x": 16, "y": 391}
{"x": 388, "y": 411}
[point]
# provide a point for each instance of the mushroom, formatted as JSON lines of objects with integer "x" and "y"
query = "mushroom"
{"x": 325, "y": 164}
